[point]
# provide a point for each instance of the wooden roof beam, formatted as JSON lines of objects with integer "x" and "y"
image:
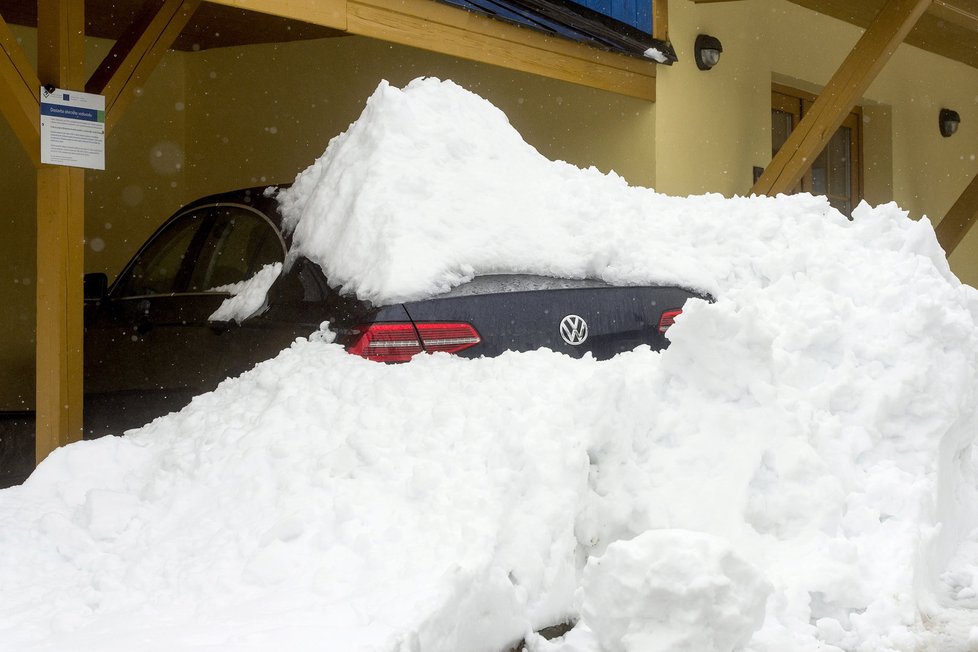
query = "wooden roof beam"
{"x": 959, "y": 220}
{"x": 20, "y": 101}
{"x": 449, "y": 30}
{"x": 437, "y": 27}
{"x": 137, "y": 53}
{"x": 952, "y": 13}
{"x": 809, "y": 138}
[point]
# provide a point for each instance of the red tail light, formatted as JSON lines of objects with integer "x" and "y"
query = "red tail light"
{"x": 450, "y": 338}
{"x": 667, "y": 319}
{"x": 398, "y": 342}
{"x": 386, "y": 342}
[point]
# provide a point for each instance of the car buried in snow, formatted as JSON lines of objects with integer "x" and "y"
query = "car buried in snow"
{"x": 152, "y": 341}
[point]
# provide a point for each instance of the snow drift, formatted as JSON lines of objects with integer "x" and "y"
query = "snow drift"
{"x": 795, "y": 472}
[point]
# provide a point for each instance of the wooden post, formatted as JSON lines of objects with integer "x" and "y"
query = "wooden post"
{"x": 874, "y": 49}
{"x": 60, "y": 244}
{"x": 959, "y": 220}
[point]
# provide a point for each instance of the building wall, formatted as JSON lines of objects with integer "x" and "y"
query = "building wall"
{"x": 713, "y": 127}
{"x": 297, "y": 96}
{"x": 219, "y": 119}
{"x": 17, "y": 262}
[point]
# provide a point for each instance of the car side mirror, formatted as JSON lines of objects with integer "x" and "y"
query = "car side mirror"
{"x": 96, "y": 286}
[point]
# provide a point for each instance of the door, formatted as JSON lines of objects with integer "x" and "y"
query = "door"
{"x": 836, "y": 173}
{"x": 150, "y": 346}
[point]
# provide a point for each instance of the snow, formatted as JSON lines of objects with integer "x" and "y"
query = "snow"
{"x": 247, "y": 297}
{"x": 672, "y": 591}
{"x": 656, "y": 55}
{"x": 796, "y": 472}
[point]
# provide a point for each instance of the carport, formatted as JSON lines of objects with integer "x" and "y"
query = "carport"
{"x": 145, "y": 31}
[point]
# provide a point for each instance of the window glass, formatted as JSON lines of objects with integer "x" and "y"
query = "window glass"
{"x": 160, "y": 266}
{"x": 782, "y": 123}
{"x": 238, "y": 244}
{"x": 838, "y": 162}
{"x": 211, "y": 248}
{"x": 831, "y": 172}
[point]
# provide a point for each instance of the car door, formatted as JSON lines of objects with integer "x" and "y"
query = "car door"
{"x": 150, "y": 346}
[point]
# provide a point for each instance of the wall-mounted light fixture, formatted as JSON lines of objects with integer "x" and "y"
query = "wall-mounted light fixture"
{"x": 948, "y": 122}
{"x": 707, "y": 51}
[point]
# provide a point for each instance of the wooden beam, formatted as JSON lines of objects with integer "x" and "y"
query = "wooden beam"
{"x": 137, "y": 53}
{"x": 954, "y": 14}
{"x": 19, "y": 94}
{"x": 61, "y": 42}
{"x": 430, "y": 25}
{"x": 660, "y": 19}
{"x": 60, "y": 244}
{"x": 328, "y": 13}
{"x": 850, "y": 81}
{"x": 959, "y": 220}
{"x": 440, "y": 28}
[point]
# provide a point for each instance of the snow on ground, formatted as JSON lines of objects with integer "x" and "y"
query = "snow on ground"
{"x": 796, "y": 472}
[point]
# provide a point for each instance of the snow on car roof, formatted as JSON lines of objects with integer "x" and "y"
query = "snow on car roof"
{"x": 796, "y": 472}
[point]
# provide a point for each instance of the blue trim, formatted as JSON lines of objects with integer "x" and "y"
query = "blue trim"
{"x": 617, "y": 25}
{"x": 637, "y": 13}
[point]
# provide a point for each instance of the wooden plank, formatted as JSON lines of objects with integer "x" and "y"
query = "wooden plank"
{"x": 328, "y": 13}
{"x": 955, "y": 14}
{"x": 850, "y": 81}
{"x": 660, "y": 19}
{"x": 60, "y": 268}
{"x": 136, "y": 54}
{"x": 60, "y": 245}
{"x": 436, "y": 27}
{"x": 19, "y": 94}
{"x": 61, "y": 42}
{"x": 440, "y": 28}
{"x": 959, "y": 220}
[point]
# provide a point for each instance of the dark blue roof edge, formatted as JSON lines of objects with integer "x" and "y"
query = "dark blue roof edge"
{"x": 572, "y": 21}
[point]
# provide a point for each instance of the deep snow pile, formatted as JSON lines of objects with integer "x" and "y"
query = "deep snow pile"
{"x": 795, "y": 472}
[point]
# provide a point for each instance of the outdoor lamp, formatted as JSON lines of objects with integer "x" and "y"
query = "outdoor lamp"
{"x": 948, "y": 122}
{"x": 707, "y": 51}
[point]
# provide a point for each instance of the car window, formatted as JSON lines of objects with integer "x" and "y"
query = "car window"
{"x": 159, "y": 267}
{"x": 202, "y": 251}
{"x": 239, "y": 243}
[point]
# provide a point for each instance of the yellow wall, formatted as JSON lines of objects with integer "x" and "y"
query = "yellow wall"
{"x": 226, "y": 118}
{"x": 712, "y": 127}
{"x": 297, "y": 96}
{"x": 17, "y": 260}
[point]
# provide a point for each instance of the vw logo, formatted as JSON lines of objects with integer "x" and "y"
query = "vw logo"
{"x": 573, "y": 329}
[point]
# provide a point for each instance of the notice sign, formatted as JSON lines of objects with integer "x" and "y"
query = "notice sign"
{"x": 72, "y": 129}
